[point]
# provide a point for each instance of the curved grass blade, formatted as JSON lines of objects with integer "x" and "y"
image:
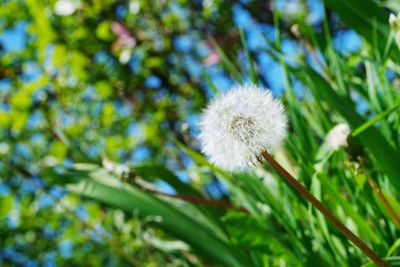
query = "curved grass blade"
{"x": 252, "y": 69}
{"x": 230, "y": 67}
{"x": 387, "y": 157}
{"x": 374, "y": 120}
{"x": 96, "y": 183}
{"x": 366, "y": 16}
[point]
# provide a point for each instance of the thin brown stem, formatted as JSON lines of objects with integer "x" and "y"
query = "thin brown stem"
{"x": 328, "y": 215}
{"x": 198, "y": 200}
{"x": 384, "y": 201}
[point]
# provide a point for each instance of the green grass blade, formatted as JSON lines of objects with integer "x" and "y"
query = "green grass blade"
{"x": 372, "y": 139}
{"x": 210, "y": 83}
{"x": 374, "y": 120}
{"x": 253, "y": 73}
{"x": 94, "y": 182}
{"x": 362, "y": 225}
{"x": 361, "y": 15}
{"x": 230, "y": 67}
{"x": 392, "y": 261}
{"x": 154, "y": 171}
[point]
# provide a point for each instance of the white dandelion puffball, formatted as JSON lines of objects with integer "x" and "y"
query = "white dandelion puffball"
{"x": 394, "y": 20}
{"x": 337, "y": 136}
{"x": 238, "y": 125}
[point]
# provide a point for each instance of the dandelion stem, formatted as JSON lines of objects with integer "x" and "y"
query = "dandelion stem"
{"x": 198, "y": 200}
{"x": 328, "y": 215}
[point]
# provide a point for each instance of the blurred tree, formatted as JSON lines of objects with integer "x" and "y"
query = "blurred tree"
{"x": 121, "y": 83}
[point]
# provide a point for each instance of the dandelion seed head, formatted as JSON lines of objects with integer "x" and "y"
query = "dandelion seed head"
{"x": 337, "y": 136}
{"x": 238, "y": 125}
{"x": 394, "y": 20}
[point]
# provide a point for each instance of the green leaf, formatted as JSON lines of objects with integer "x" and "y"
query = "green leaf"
{"x": 374, "y": 120}
{"x": 253, "y": 73}
{"x": 94, "y": 182}
{"x": 103, "y": 31}
{"x": 363, "y": 226}
{"x": 394, "y": 247}
{"x": 151, "y": 170}
{"x": 41, "y": 26}
{"x": 210, "y": 83}
{"x": 372, "y": 139}
{"x": 366, "y": 17}
{"x": 230, "y": 67}
{"x": 391, "y": 261}
{"x": 6, "y": 205}
{"x": 254, "y": 234}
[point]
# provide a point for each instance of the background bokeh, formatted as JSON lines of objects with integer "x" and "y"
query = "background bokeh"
{"x": 120, "y": 85}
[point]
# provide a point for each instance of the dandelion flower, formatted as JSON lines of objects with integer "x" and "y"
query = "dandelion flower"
{"x": 247, "y": 124}
{"x": 337, "y": 136}
{"x": 238, "y": 125}
{"x": 394, "y": 22}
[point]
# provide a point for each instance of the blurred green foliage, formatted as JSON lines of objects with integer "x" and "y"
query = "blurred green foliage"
{"x": 99, "y": 158}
